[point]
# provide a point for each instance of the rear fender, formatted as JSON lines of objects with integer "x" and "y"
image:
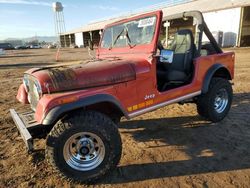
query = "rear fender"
{"x": 217, "y": 70}
{"x": 59, "y": 111}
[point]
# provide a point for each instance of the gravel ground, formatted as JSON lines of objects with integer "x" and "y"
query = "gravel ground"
{"x": 170, "y": 147}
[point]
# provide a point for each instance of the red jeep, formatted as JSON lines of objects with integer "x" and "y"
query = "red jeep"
{"x": 137, "y": 70}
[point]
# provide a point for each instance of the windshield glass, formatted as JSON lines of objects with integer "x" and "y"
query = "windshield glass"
{"x": 136, "y": 32}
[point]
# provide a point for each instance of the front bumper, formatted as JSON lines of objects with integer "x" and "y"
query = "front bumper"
{"x": 25, "y": 122}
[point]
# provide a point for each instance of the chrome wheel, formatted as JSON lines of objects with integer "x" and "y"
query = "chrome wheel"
{"x": 221, "y": 100}
{"x": 84, "y": 151}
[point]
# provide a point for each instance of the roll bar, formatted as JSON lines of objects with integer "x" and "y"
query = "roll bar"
{"x": 201, "y": 27}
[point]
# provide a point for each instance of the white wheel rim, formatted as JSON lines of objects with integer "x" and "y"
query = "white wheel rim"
{"x": 84, "y": 151}
{"x": 221, "y": 100}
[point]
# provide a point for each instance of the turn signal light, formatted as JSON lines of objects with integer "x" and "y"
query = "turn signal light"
{"x": 67, "y": 100}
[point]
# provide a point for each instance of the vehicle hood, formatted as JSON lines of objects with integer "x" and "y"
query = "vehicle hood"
{"x": 85, "y": 75}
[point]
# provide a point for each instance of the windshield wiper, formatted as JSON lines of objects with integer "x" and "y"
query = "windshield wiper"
{"x": 127, "y": 36}
{"x": 116, "y": 39}
{"x": 129, "y": 40}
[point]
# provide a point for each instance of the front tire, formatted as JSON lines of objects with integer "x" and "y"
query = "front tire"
{"x": 216, "y": 103}
{"x": 84, "y": 147}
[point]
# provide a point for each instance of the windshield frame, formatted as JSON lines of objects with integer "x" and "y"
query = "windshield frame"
{"x": 131, "y": 31}
{"x": 147, "y": 48}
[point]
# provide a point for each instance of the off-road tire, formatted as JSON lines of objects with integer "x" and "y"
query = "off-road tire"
{"x": 85, "y": 121}
{"x": 205, "y": 102}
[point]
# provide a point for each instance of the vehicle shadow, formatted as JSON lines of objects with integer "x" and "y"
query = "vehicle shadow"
{"x": 208, "y": 147}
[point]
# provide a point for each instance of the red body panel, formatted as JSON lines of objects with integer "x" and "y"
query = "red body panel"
{"x": 127, "y": 74}
{"x": 87, "y": 75}
{"x": 133, "y": 93}
{"x": 22, "y": 95}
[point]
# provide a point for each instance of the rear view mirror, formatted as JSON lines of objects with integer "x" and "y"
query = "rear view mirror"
{"x": 166, "y": 56}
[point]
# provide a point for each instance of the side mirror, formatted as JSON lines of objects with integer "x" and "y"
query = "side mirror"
{"x": 166, "y": 56}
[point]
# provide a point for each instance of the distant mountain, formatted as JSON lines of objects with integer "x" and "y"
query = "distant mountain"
{"x": 39, "y": 38}
{"x": 42, "y": 38}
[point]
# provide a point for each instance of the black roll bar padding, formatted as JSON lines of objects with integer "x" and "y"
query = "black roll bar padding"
{"x": 200, "y": 20}
{"x": 212, "y": 39}
{"x": 202, "y": 27}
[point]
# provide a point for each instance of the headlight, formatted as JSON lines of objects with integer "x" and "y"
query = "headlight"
{"x": 33, "y": 89}
{"x": 38, "y": 89}
{"x": 26, "y": 83}
{"x": 35, "y": 93}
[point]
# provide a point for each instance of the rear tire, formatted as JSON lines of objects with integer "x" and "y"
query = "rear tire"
{"x": 216, "y": 103}
{"x": 84, "y": 147}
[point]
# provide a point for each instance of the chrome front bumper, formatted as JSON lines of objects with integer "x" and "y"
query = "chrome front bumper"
{"x": 24, "y": 121}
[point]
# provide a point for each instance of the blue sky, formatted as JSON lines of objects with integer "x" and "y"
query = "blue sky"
{"x": 26, "y": 18}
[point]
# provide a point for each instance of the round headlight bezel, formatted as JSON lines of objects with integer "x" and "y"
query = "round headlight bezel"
{"x": 38, "y": 89}
{"x": 26, "y": 83}
{"x": 31, "y": 84}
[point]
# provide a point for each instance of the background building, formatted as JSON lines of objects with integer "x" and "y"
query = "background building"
{"x": 228, "y": 20}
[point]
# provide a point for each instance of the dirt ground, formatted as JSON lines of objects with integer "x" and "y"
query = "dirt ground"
{"x": 170, "y": 147}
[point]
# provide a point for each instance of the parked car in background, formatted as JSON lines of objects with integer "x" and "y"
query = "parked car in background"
{"x": 2, "y": 52}
{"x": 20, "y": 47}
{"x": 6, "y": 46}
{"x": 73, "y": 46}
{"x": 51, "y": 46}
{"x": 35, "y": 46}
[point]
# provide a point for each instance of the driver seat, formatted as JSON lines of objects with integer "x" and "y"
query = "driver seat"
{"x": 179, "y": 71}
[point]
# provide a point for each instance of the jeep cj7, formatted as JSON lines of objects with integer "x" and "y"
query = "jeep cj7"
{"x": 137, "y": 70}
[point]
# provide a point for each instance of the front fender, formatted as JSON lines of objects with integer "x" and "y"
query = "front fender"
{"x": 55, "y": 113}
{"x": 22, "y": 95}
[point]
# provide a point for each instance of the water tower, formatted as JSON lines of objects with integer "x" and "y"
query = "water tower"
{"x": 59, "y": 21}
